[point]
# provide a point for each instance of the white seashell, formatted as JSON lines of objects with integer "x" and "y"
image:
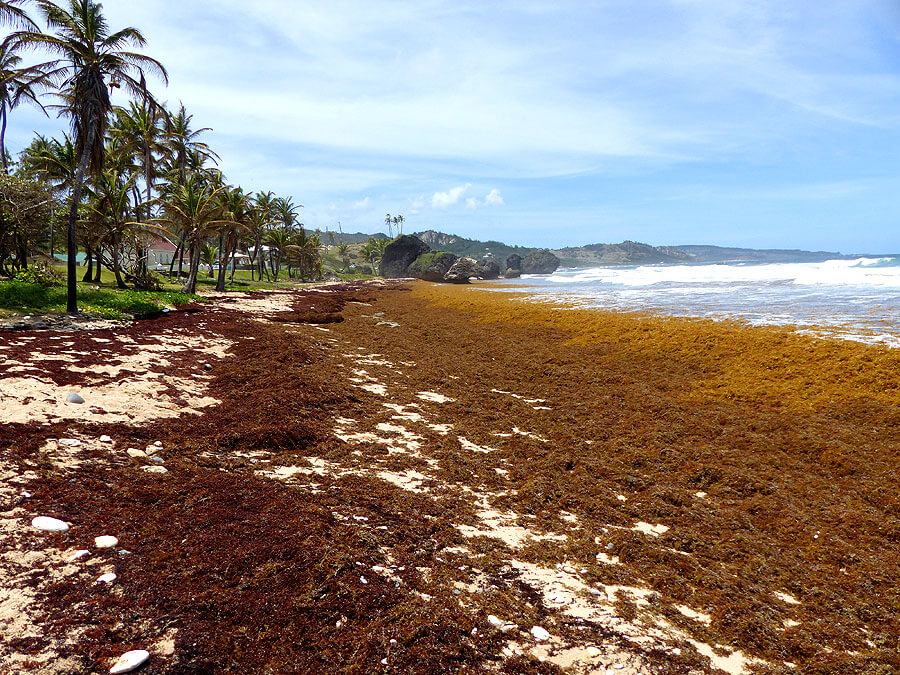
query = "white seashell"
{"x": 130, "y": 661}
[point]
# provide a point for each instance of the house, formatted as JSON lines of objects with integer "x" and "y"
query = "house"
{"x": 161, "y": 252}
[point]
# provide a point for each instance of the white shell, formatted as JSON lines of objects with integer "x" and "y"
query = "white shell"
{"x": 540, "y": 634}
{"x": 130, "y": 661}
{"x": 78, "y": 555}
{"x": 49, "y": 524}
{"x": 106, "y": 542}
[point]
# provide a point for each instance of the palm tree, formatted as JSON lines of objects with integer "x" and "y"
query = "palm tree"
{"x": 192, "y": 207}
{"x": 278, "y": 240}
{"x": 234, "y": 205}
{"x": 182, "y": 142}
{"x": 110, "y": 209}
{"x": 87, "y": 54}
{"x": 208, "y": 256}
{"x": 12, "y": 14}
{"x": 286, "y": 212}
{"x": 16, "y": 85}
{"x": 344, "y": 252}
{"x": 388, "y": 221}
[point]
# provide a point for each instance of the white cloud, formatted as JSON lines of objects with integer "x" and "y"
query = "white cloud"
{"x": 362, "y": 203}
{"x": 444, "y": 200}
{"x": 472, "y": 203}
{"x": 494, "y": 198}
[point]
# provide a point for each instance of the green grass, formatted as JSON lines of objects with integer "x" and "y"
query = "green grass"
{"x": 110, "y": 303}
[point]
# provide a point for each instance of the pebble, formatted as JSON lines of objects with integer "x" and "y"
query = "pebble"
{"x": 207, "y": 367}
{"x": 106, "y": 542}
{"x": 509, "y": 628}
{"x": 49, "y": 524}
{"x": 158, "y": 444}
{"x": 69, "y": 442}
{"x": 155, "y": 469}
{"x": 150, "y": 448}
{"x": 107, "y": 578}
{"x": 130, "y": 661}
{"x": 78, "y": 555}
{"x": 137, "y": 454}
{"x": 74, "y": 398}
{"x": 105, "y": 439}
{"x": 593, "y": 652}
{"x": 540, "y": 634}
{"x": 156, "y": 459}
{"x": 494, "y": 621}
{"x": 363, "y": 580}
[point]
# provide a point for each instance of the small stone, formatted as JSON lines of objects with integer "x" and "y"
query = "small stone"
{"x": 155, "y": 469}
{"x": 130, "y": 661}
{"x": 156, "y": 459}
{"x": 207, "y": 367}
{"x": 150, "y": 448}
{"x": 593, "y": 652}
{"x": 106, "y": 439}
{"x": 69, "y": 442}
{"x": 49, "y": 524}
{"x": 106, "y": 542}
{"x": 494, "y": 621}
{"x": 158, "y": 444}
{"x": 363, "y": 580}
{"x": 509, "y": 628}
{"x": 78, "y": 555}
{"x": 137, "y": 454}
{"x": 594, "y": 591}
{"x": 107, "y": 578}
{"x": 540, "y": 634}
{"x": 74, "y": 398}
{"x": 384, "y": 662}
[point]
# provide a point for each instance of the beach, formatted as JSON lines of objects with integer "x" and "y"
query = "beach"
{"x": 408, "y": 477}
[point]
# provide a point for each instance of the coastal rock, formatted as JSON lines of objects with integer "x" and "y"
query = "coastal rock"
{"x": 400, "y": 254}
{"x": 488, "y": 269}
{"x": 432, "y": 266}
{"x": 540, "y": 262}
{"x": 514, "y": 262}
{"x": 106, "y": 542}
{"x": 462, "y": 270}
{"x": 130, "y": 661}
{"x": 74, "y": 398}
{"x": 512, "y": 274}
{"x": 46, "y": 524}
{"x": 540, "y": 634}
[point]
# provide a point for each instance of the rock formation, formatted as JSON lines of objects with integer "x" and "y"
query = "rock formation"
{"x": 432, "y": 266}
{"x": 400, "y": 254}
{"x": 540, "y": 262}
{"x": 462, "y": 270}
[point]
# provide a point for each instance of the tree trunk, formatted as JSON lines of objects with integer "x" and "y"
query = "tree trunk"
{"x": 71, "y": 239}
{"x": 178, "y": 250}
{"x": 191, "y": 284}
{"x": 233, "y": 265}
{"x": 223, "y": 263}
{"x": 3, "y": 137}
{"x": 97, "y": 278}
{"x": 89, "y": 263}
{"x": 117, "y": 268}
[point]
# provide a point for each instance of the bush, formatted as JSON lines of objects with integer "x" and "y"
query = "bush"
{"x": 39, "y": 273}
{"x": 18, "y": 294}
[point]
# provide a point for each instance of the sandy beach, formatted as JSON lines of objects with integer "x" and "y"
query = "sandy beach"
{"x": 404, "y": 477}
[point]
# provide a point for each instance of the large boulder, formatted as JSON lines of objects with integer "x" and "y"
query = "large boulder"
{"x": 432, "y": 266}
{"x": 540, "y": 262}
{"x": 488, "y": 269}
{"x": 514, "y": 262}
{"x": 400, "y": 254}
{"x": 462, "y": 270}
{"x": 512, "y": 274}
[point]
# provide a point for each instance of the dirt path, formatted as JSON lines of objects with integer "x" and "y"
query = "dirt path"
{"x": 360, "y": 479}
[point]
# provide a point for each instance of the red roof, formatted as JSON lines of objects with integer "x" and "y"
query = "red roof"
{"x": 162, "y": 244}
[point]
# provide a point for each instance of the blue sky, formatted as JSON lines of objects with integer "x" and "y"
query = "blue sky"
{"x": 758, "y": 123}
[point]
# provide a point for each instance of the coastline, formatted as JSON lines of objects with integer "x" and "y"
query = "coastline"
{"x": 395, "y": 477}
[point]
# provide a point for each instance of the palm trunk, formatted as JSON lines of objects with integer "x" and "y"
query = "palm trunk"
{"x": 178, "y": 252}
{"x": 89, "y": 273}
{"x": 72, "y": 242}
{"x": 223, "y": 263}
{"x": 233, "y": 265}
{"x": 117, "y": 268}
{"x": 191, "y": 284}
{"x": 3, "y": 138}
{"x": 99, "y": 265}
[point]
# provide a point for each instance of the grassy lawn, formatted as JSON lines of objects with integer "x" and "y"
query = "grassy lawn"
{"x": 104, "y": 299}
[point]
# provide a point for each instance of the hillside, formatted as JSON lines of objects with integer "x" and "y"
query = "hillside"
{"x": 472, "y": 248}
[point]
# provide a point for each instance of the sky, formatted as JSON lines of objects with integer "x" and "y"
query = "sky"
{"x": 757, "y": 123}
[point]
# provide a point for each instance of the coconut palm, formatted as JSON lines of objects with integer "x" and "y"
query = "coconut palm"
{"x": 208, "y": 256}
{"x": 87, "y": 55}
{"x": 278, "y": 240}
{"x": 17, "y": 84}
{"x": 183, "y": 144}
{"x": 194, "y": 208}
{"x": 236, "y": 217}
{"x": 110, "y": 209}
{"x": 344, "y": 252}
{"x": 12, "y": 14}
{"x": 286, "y": 212}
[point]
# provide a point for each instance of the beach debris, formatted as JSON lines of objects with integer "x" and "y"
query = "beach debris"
{"x": 130, "y": 661}
{"x": 106, "y": 542}
{"x": 74, "y": 398}
{"x": 78, "y": 555}
{"x": 155, "y": 469}
{"x": 107, "y": 578}
{"x": 540, "y": 634}
{"x": 69, "y": 442}
{"x": 47, "y": 524}
{"x": 494, "y": 621}
{"x": 106, "y": 439}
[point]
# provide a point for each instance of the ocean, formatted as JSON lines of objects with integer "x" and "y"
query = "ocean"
{"x": 850, "y": 299}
